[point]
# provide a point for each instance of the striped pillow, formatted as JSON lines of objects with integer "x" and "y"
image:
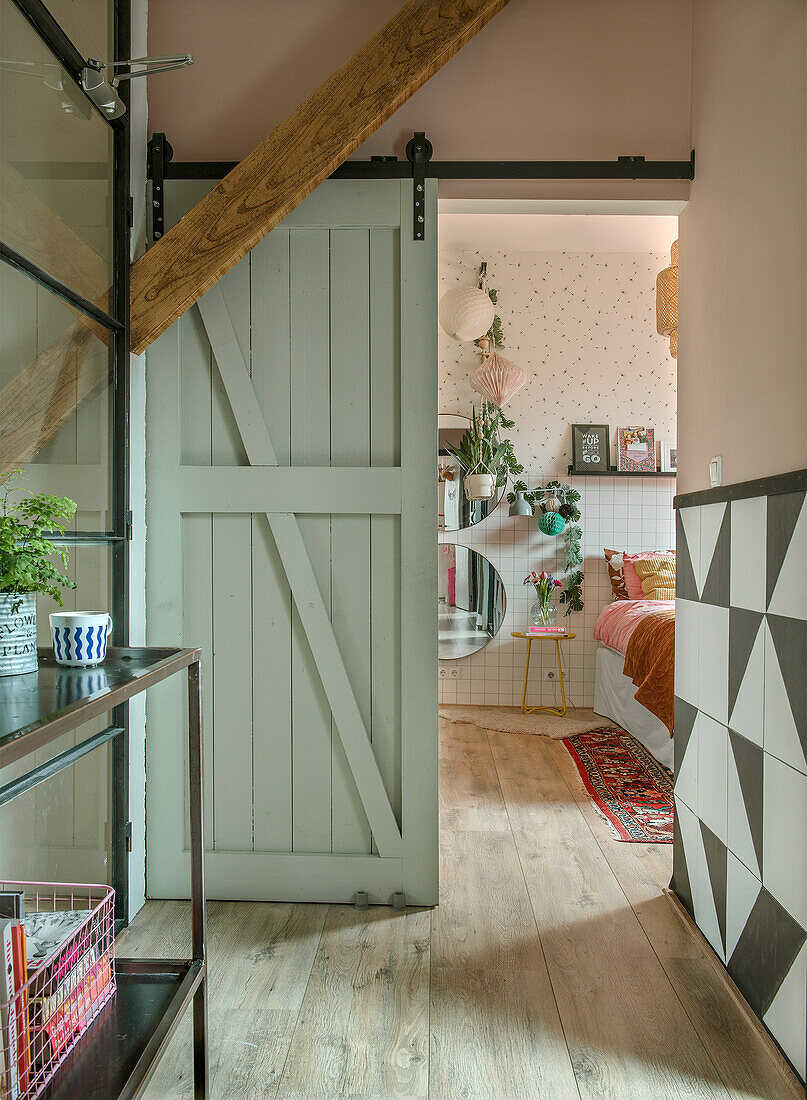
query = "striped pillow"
{"x": 633, "y": 582}
{"x": 657, "y": 575}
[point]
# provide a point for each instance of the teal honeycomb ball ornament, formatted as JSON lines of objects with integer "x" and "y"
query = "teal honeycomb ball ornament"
{"x": 551, "y": 523}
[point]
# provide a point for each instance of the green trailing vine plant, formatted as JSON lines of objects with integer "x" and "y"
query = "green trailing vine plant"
{"x": 495, "y": 335}
{"x": 567, "y": 499}
{"x": 26, "y": 551}
{"x": 482, "y": 444}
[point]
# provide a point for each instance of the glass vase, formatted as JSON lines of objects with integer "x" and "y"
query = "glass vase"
{"x": 543, "y": 614}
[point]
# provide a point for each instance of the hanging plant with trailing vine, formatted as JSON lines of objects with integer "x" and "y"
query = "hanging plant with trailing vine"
{"x": 482, "y": 446}
{"x": 495, "y": 335}
{"x": 563, "y": 499}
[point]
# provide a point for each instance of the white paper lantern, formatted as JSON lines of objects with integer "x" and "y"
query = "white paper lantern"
{"x": 466, "y": 312}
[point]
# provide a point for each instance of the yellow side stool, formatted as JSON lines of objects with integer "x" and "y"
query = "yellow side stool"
{"x": 557, "y": 639}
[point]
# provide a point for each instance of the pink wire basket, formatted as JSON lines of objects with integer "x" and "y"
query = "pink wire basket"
{"x": 66, "y": 986}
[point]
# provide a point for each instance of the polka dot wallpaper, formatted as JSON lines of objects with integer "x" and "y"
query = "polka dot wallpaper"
{"x": 583, "y": 327}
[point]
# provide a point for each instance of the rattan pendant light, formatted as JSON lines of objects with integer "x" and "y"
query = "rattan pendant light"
{"x": 667, "y": 301}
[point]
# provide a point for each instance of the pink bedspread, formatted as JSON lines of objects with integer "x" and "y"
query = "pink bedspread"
{"x": 618, "y": 620}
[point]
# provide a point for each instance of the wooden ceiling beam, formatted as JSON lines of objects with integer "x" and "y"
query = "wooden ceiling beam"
{"x": 37, "y": 403}
{"x": 296, "y": 157}
{"x": 32, "y": 228}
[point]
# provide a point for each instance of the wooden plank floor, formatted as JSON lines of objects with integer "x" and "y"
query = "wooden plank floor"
{"x": 553, "y": 968}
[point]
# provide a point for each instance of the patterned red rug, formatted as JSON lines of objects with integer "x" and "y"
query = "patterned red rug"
{"x": 632, "y": 791}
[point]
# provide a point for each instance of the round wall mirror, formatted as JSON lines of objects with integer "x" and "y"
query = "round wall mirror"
{"x": 454, "y": 511}
{"x": 470, "y": 601}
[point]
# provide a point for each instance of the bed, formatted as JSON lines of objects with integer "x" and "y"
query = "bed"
{"x": 633, "y": 682}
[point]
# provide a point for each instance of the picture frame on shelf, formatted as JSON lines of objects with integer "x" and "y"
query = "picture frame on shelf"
{"x": 591, "y": 448}
{"x": 636, "y": 450}
{"x": 668, "y": 457}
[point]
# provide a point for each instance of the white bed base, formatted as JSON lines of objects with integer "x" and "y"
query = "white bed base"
{"x": 614, "y": 697}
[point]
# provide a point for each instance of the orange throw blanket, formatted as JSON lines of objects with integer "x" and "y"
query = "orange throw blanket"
{"x": 650, "y": 663}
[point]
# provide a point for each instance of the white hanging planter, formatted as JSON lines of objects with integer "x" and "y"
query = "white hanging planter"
{"x": 480, "y": 486}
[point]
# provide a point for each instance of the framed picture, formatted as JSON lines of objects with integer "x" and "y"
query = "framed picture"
{"x": 636, "y": 450}
{"x": 668, "y": 456}
{"x": 591, "y": 447}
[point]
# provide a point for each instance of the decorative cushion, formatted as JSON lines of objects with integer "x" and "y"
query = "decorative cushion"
{"x": 613, "y": 559}
{"x": 657, "y": 577}
{"x": 633, "y": 581}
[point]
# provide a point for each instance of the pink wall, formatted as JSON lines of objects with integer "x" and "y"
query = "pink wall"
{"x": 742, "y": 323}
{"x": 555, "y": 79}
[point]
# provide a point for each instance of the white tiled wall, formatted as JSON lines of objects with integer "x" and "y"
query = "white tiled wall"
{"x": 583, "y": 326}
{"x": 621, "y": 513}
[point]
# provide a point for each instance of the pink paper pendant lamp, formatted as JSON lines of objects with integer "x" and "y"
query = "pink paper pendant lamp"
{"x": 498, "y": 379}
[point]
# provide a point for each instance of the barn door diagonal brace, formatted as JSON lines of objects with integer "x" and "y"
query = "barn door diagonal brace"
{"x": 302, "y": 580}
{"x": 419, "y": 152}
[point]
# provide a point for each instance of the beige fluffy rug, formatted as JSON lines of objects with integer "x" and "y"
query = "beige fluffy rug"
{"x": 511, "y": 720}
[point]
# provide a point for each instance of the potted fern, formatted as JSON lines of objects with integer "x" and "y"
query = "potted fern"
{"x": 485, "y": 457}
{"x": 27, "y": 566}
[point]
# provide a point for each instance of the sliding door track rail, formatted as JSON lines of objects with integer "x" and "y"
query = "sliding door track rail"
{"x": 419, "y": 166}
{"x": 390, "y": 168}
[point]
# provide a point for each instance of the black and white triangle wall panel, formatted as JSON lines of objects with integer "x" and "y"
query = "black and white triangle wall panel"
{"x": 715, "y": 871}
{"x": 748, "y": 553}
{"x": 713, "y": 753}
{"x": 713, "y": 660}
{"x": 687, "y": 655}
{"x": 686, "y": 754}
{"x": 742, "y": 890}
{"x": 716, "y": 554}
{"x": 785, "y": 713}
{"x": 745, "y": 801}
{"x": 746, "y": 687}
{"x": 685, "y": 715}
{"x": 704, "y": 536}
{"x": 784, "y": 1017}
{"x": 784, "y": 836}
{"x": 740, "y": 845}
{"x": 786, "y": 553}
{"x": 686, "y": 534}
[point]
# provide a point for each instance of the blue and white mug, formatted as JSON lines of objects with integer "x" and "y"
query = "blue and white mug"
{"x": 80, "y": 637}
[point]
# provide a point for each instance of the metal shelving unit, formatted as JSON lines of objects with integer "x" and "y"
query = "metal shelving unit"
{"x": 120, "y": 1051}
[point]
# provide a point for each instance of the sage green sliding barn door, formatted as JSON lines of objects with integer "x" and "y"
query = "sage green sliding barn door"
{"x": 291, "y": 420}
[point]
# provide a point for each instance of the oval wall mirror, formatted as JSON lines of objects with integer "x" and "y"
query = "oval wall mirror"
{"x": 454, "y": 511}
{"x": 470, "y": 601}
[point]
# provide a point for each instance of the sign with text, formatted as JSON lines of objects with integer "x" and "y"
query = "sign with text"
{"x": 591, "y": 448}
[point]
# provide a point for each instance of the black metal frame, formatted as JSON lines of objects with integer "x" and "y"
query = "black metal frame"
{"x": 190, "y": 975}
{"x": 390, "y": 168}
{"x": 419, "y": 167}
{"x": 117, "y": 323}
{"x": 66, "y": 293}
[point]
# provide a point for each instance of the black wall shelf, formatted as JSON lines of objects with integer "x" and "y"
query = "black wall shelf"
{"x": 618, "y": 473}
